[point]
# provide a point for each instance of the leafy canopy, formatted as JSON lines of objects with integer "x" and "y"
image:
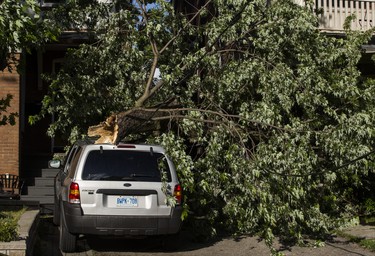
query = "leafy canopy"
{"x": 21, "y": 29}
{"x": 269, "y": 121}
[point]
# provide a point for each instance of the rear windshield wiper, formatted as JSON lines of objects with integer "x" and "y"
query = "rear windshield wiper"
{"x": 131, "y": 177}
{"x": 141, "y": 175}
{"x": 111, "y": 178}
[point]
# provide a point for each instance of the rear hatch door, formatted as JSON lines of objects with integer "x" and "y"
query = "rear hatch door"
{"x": 123, "y": 182}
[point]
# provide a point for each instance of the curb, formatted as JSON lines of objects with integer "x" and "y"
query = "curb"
{"x": 28, "y": 224}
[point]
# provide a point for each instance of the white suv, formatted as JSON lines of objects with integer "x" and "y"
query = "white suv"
{"x": 121, "y": 190}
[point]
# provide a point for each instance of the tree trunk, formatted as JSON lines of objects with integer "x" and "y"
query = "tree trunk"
{"x": 134, "y": 121}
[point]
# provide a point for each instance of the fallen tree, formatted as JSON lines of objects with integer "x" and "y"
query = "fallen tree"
{"x": 263, "y": 129}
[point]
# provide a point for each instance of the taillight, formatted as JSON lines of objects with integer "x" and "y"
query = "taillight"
{"x": 178, "y": 194}
{"x": 74, "y": 197}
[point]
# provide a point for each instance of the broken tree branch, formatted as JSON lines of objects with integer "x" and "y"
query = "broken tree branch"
{"x": 138, "y": 120}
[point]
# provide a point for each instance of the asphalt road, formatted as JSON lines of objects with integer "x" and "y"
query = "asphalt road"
{"x": 47, "y": 245}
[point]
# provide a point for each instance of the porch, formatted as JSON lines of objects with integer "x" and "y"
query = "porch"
{"x": 333, "y": 13}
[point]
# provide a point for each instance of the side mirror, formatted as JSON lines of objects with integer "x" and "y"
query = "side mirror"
{"x": 55, "y": 164}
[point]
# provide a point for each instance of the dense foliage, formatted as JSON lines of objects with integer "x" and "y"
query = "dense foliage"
{"x": 21, "y": 29}
{"x": 269, "y": 120}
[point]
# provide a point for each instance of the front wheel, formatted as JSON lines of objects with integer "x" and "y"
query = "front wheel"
{"x": 68, "y": 241}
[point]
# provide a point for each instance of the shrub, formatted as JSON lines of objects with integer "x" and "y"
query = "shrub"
{"x": 9, "y": 225}
{"x": 369, "y": 206}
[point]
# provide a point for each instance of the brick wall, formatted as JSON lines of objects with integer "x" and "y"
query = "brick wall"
{"x": 9, "y": 135}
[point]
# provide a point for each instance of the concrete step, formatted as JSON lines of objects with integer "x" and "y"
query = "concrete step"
{"x": 49, "y": 173}
{"x": 39, "y": 181}
{"x": 41, "y": 199}
{"x": 40, "y": 191}
{"x": 44, "y": 182}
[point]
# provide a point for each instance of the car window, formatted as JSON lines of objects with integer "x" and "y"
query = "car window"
{"x": 74, "y": 163}
{"x": 121, "y": 165}
{"x": 69, "y": 158}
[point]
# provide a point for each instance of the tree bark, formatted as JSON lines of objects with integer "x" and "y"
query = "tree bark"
{"x": 134, "y": 121}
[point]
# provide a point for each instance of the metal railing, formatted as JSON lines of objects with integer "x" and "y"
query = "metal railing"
{"x": 333, "y": 13}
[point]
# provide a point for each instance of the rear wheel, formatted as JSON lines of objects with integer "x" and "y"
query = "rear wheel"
{"x": 68, "y": 241}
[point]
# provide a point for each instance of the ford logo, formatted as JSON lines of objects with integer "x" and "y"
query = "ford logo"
{"x": 127, "y": 185}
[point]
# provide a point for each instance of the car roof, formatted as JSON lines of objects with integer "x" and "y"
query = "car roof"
{"x": 126, "y": 146}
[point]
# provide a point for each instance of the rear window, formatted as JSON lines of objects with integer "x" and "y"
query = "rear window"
{"x": 121, "y": 165}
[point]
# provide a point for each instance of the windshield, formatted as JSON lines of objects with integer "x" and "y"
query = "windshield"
{"x": 122, "y": 165}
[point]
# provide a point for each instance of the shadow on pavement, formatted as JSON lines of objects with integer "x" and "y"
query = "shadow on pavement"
{"x": 182, "y": 243}
{"x": 47, "y": 242}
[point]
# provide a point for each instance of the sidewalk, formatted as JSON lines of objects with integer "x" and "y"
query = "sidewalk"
{"x": 361, "y": 231}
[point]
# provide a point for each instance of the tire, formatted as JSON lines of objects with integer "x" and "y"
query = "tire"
{"x": 68, "y": 241}
{"x": 56, "y": 213}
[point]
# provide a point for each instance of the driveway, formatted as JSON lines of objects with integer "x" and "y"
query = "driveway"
{"x": 47, "y": 245}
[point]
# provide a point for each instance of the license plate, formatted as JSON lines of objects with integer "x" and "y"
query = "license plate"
{"x": 127, "y": 201}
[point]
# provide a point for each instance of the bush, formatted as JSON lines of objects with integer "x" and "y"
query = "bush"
{"x": 369, "y": 206}
{"x": 9, "y": 225}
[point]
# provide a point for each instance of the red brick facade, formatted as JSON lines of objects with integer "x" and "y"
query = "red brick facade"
{"x": 9, "y": 135}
